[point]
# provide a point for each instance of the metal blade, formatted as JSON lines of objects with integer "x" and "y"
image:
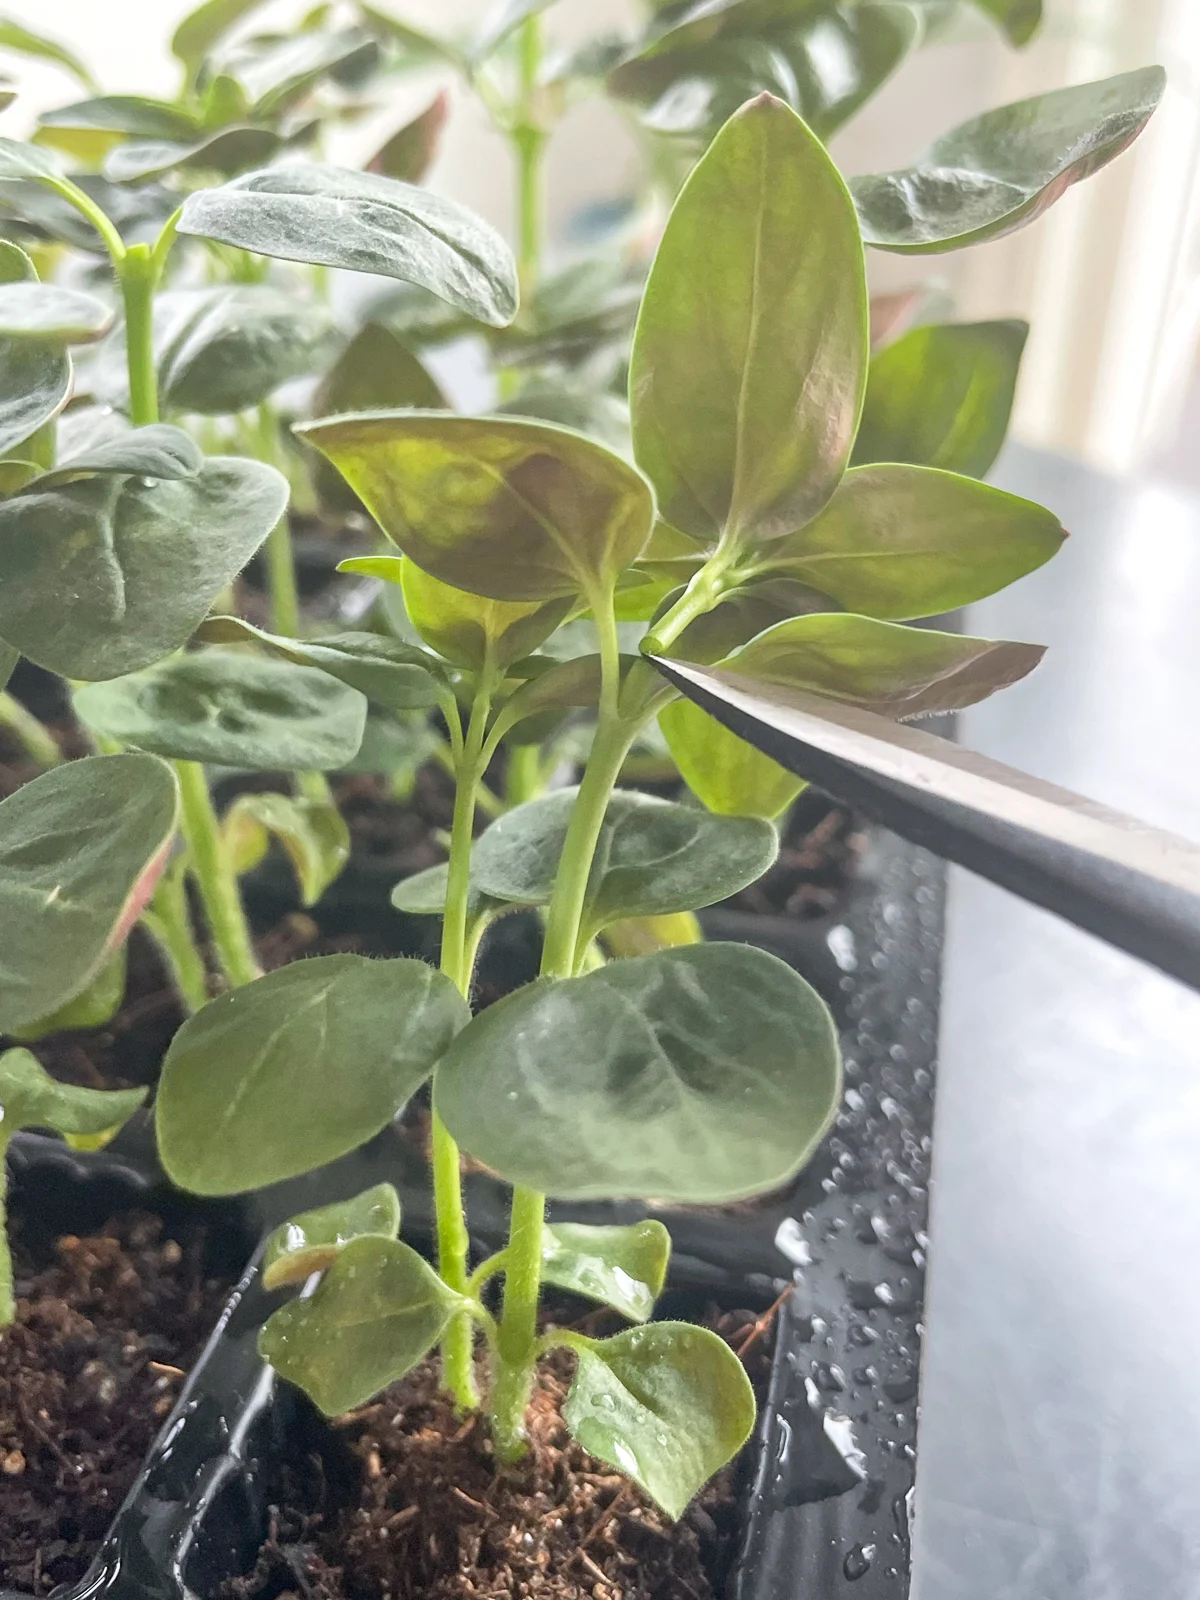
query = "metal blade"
{"x": 1135, "y": 886}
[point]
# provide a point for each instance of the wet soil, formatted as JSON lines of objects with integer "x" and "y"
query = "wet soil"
{"x": 104, "y": 1335}
{"x": 407, "y": 1503}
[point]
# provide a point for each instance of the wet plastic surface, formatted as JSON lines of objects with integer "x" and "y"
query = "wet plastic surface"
{"x": 828, "y": 1516}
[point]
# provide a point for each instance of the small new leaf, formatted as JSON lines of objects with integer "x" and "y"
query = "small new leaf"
{"x": 375, "y": 1313}
{"x": 48, "y": 312}
{"x": 31, "y": 1098}
{"x": 255, "y": 1088}
{"x": 313, "y": 1240}
{"x": 624, "y": 1268}
{"x": 312, "y": 832}
{"x": 668, "y": 1405}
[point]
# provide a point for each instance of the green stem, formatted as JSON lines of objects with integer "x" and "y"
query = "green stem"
{"x": 8, "y": 1307}
{"x": 458, "y": 1366}
{"x": 281, "y": 580}
{"x": 215, "y": 878}
{"x": 138, "y": 271}
{"x": 529, "y": 143}
{"x": 170, "y": 926}
{"x": 28, "y": 732}
{"x": 523, "y": 779}
{"x": 518, "y": 1324}
{"x": 715, "y": 577}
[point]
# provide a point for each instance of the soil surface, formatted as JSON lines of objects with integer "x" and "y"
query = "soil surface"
{"x": 818, "y": 858}
{"x": 103, "y": 1338}
{"x": 415, "y": 1509}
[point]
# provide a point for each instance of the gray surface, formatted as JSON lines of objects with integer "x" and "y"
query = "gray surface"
{"x": 1059, "y": 1446}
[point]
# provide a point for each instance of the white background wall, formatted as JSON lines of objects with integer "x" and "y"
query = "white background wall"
{"x": 1111, "y": 279}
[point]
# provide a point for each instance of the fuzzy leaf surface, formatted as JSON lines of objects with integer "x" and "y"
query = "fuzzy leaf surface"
{"x": 313, "y": 1240}
{"x": 622, "y": 1267}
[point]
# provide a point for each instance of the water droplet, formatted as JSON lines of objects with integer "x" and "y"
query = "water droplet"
{"x": 858, "y": 1561}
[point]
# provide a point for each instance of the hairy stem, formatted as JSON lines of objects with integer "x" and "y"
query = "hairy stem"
{"x": 138, "y": 275}
{"x": 210, "y": 866}
{"x": 518, "y": 1324}
{"x": 169, "y": 925}
{"x": 281, "y": 561}
{"x": 529, "y": 143}
{"x": 8, "y": 1309}
{"x": 458, "y": 1366}
{"x": 28, "y": 732}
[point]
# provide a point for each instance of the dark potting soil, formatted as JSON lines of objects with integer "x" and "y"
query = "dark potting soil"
{"x": 409, "y": 1505}
{"x": 819, "y": 854}
{"x": 104, "y": 1335}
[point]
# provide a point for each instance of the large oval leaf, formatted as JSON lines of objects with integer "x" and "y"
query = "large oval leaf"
{"x": 653, "y": 857}
{"x": 133, "y": 114}
{"x": 893, "y": 670}
{"x": 299, "y": 1067}
{"x": 750, "y": 357}
{"x": 107, "y": 575}
{"x": 899, "y": 541}
{"x": 374, "y": 1314}
{"x": 376, "y": 372}
{"x": 226, "y": 349}
{"x": 35, "y": 384}
{"x": 941, "y": 396}
{"x": 702, "y": 1075}
{"x": 156, "y": 451}
{"x": 81, "y": 849}
{"x": 230, "y": 150}
{"x": 1000, "y": 171}
{"x": 508, "y": 509}
{"x": 232, "y": 710}
{"x": 667, "y": 1405}
{"x": 400, "y": 676}
{"x": 313, "y": 1240}
{"x": 365, "y": 223}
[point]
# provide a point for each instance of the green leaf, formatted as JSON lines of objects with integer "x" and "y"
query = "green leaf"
{"x": 226, "y": 349}
{"x": 156, "y": 451}
{"x": 134, "y": 114}
{"x": 313, "y": 1240}
{"x": 21, "y": 161}
{"x": 8, "y": 662}
{"x": 376, "y": 372}
{"x": 397, "y": 748}
{"x": 653, "y": 857}
{"x": 421, "y": 47}
{"x": 424, "y": 895}
{"x": 624, "y": 1268}
{"x": 667, "y": 1405}
{"x": 398, "y": 675}
{"x": 280, "y": 74}
{"x": 700, "y": 1075}
{"x": 508, "y": 509}
{"x": 232, "y": 710}
{"x": 91, "y": 1008}
{"x": 31, "y": 1098}
{"x": 15, "y": 265}
{"x": 205, "y": 27}
{"x": 941, "y": 396}
{"x": 1000, "y": 171}
{"x": 750, "y": 357}
{"x": 898, "y": 541}
{"x": 312, "y": 832}
{"x": 362, "y": 222}
{"x": 46, "y": 311}
{"x": 889, "y": 669}
{"x": 642, "y": 936}
{"x": 704, "y": 21}
{"x": 412, "y": 149}
{"x": 561, "y": 686}
{"x": 15, "y": 36}
{"x": 826, "y": 66}
{"x": 575, "y": 405}
{"x": 729, "y": 776}
{"x": 229, "y": 150}
{"x": 35, "y": 384}
{"x": 502, "y": 20}
{"x": 105, "y": 576}
{"x": 81, "y": 848}
{"x": 378, "y": 1310}
{"x": 298, "y": 1068}
{"x": 1020, "y": 19}
{"x": 473, "y": 632}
